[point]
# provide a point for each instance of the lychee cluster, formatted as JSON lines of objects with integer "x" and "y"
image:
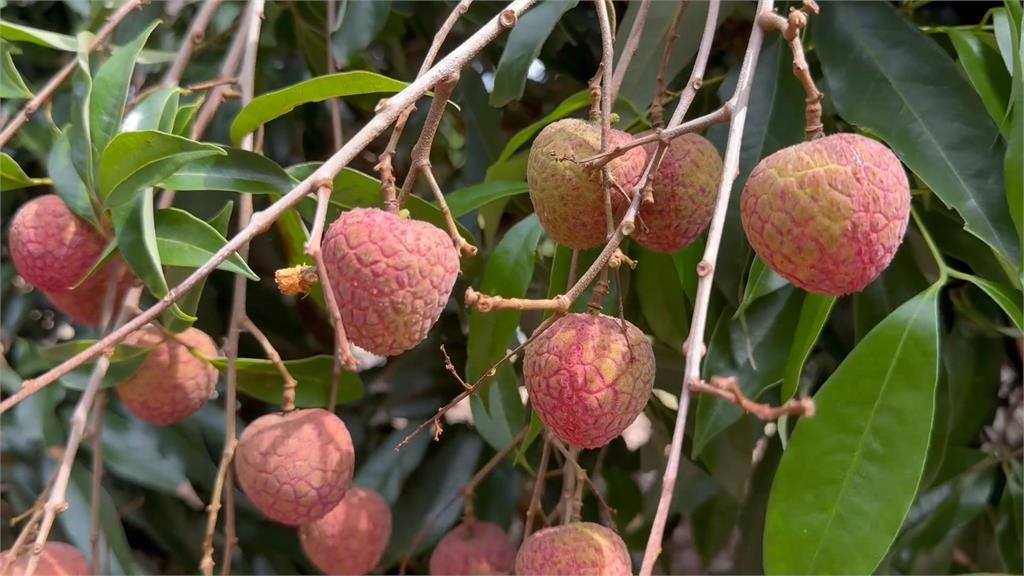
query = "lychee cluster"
{"x": 579, "y": 548}
{"x": 56, "y": 559}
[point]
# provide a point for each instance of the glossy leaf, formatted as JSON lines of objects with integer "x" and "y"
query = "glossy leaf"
{"x": 66, "y": 181}
{"x": 862, "y": 455}
{"x": 21, "y": 33}
{"x": 984, "y": 67}
{"x": 11, "y": 84}
{"x": 132, "y": 452}
{"x": 386, "y": 469}
{"x": 814, "y": 313}
{"x": 464, "y": 201}
{"x": 662, "y": 300}
{"x": 360, "y": 21}
{"x": 884, "y": 75}
{"x": 110, "y": 91}
{"x": 186, "y": 241}
{"x": 761, "y": 280}
{"x": 12, "y": 177}
{"x": 260, "y": 379}
{"x": 523, "y": 47}
{"x": 571, "y": 104}
{"x": 184, "y": 119}
{"x": 79, "y": 136}
{"x": 236, "y": 171}
{"x": 266, "y": 107}
{"x": 155, "y": 112}
{"x": 134, "y": 160}
{"x": 1007, "y": 298}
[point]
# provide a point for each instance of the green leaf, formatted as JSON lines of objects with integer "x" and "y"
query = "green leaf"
{"x": 881, "y": 73}
{"x": 984, "y": 68}
{"x": 12, "y": 177}
{"x": 184, "y": 118}
{"x": 662, "y": 300}
{"x": 1007, "y": 298}
{"x": 79, "y": 137}
{"x": 266, "y": 107}
{"x": 850, "y": 473}
{"x": 360, "y": 21}
{"x": 761, "y": 281}
{"x": 386, "y": 469}
{"x": 66, "y": 181}
{"x": 20, "y": 33}
{"x": 132, "y": 451}
{"x": 186, "y": 241}
{"x": 1009, "y": 528}
{"x": 110, "y": 91}
{"x": 814, "y": 314}
{"x": 134, "y": 160}
{"x": 523, "y": 47}
{"x": 236, "y": 171}
{"x": 155, "y": 112}
{"x": 11, "y": 85}
{"x": 508, "y": 273}
{"x": 58, "y": 353}
{"x": 464, "y": 201}
{"x": 568, "y": 106}
{"x": 260, "y": 379}
{"x": 686, "y": 262}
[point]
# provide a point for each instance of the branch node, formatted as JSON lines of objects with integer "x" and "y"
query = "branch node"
{"x": 705, "y": 268}
{"x": 508, "y": 19}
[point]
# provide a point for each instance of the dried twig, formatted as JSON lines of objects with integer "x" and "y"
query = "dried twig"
{"x": 206, "y": 565}
{"x": 729, "y": 389}
{"x": 538, "y": 488}
{"x": 658, "y": 104}
{"x": 51, "y": 87}
{"x": 333, "y": 104}
{"x": 288, "y": 394}
{"x": 196, "y": 33}
{"x": 228, "y": 69}
{"x": 629, "y": 48}
{"x": 99, "y": 406}
{"x": 791, "y": 28}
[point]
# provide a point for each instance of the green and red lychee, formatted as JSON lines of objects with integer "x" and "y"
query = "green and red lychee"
{"x": 579, "y": 548}
{"x": 56, "y": 559}
{"x": 567, "y": 196}
{"x": 828, "y": 215}
{"x": 352, "y": 537}
{"x": 588, "y": 377}
{"x": 172, "y": 383}
{"x": 52, "y": 249}
{"x": 391, "y": 276}
{"x": 295, "y": 466}
{"x": 473, "y": 548}
{"x": 684, "y": 189}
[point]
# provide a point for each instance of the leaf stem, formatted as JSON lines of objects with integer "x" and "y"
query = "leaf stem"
{"x": 940, "y": 263}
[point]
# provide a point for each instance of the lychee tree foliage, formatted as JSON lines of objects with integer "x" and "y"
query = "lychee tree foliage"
{"x": 776, "y": 331}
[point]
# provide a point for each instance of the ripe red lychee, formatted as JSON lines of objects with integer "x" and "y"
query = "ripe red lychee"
{"x": 684, "y": 188}
{"x": 473, "y": 548}
{"x": 827, "y": 215}
{"x": 391, "y": 277}
{"x": 172, "y": 383}
{"x": 580, "y": 548}
{"x": 56, "y": 559}
{"x": 295, "y": 467}
{"x": 569, "y": 198}
{"x": 588, "y": 377}
{"x": 352, "y": 537}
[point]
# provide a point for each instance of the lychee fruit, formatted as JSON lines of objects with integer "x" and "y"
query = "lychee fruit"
{"x": 473, "y": 548}
{"x": 684, "y": 188}
{"x": 172, "y": 383}
{"x": 588, "y": 376}
{"x": 296, "y": 466}
{"x": 580, "y": 548}
{"x": 569, "y": 197}
{"x": 829, "y": 214}
{"x": 352, "y": 537}
{"x": 56, "y": 559}
{"x": 391, "y": 276}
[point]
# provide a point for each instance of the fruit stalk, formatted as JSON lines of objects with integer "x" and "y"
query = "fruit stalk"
{"x": 705, "y": 270}
{"x": 538, "y": 488}
{"x": 387, "y": 113}
{"x": 790, "y": 28}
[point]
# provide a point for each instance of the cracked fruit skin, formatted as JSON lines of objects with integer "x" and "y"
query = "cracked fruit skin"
{"x": 171, "y": 384}
{"x": 391, "y": 277}
{"x": 827, "y": 215}
{"x": 56, "y": 559}
{"x": 568, "y": 198}
{"x": 579, "y": 548}
{"x": 587, "y": 379}
{"x": 352, "y": 537}
{"x": 473, "y": 548}
{"x": 295, "y": 467}
{"x": 684, "y": 188}
{"x": 52, "y": 249}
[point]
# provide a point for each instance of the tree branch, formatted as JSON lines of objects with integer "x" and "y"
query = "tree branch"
{"x": 538, "y": 488}
{"x": 629, "y": 48}
{"x": 729, "y": 389}
{"x": 196, "y": 32}
{"x": 790, "y": 28}
{"x": 99, "y": 406}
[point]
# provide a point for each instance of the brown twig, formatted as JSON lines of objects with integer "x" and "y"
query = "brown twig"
{"x": 629, "y": 48}
{"x": 385, "y": 162}
{"x": 206, "y": 565}
{"x": 196, "y": 33}
{"x": 658, "y": 105}
{"x": 341, "y": 345}
{"x": 288, "y": 394}
{"x": 485, "y": 303}
{"x": 450, "y": 367}
{"x": 694, "y": 352}
{"x": 28, "y": 532}
{"x": 333, "y": 104}
{"x": 464, "y": 248}
{"x": 568, "y": 483}
{"x": 228, "y": 69}
{"x": 729, "y": 389}
{"x": 262, "y": 220}
{"x": 580, "y": 472}
{"x": 51, "y": 87}
{"x": 99, "y": 406}
{"x": 790, "y": 28}
{"x": 538, "y": 488}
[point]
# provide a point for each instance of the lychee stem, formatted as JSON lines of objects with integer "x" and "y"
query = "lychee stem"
{"x": 791, "y": 28}
{"x": 288, "y": 392}
{"x": 538, "y": 487}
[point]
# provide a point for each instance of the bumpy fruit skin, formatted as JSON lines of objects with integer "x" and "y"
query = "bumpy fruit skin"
{"x": 295, "y": 467}
{"x": 352, "y": 537}
{"x": 684, "y": 188}
{"x": 587, "y": 379}
{"x": 172, "y": 383}
{"x": 569, "y": 199}
{"x": 827, "y": 215}
{"x": 56, "y": 559}
{"x": 391, "y": 276}
{"x": 580, "y": 549}
{"x": 476, "y": 548}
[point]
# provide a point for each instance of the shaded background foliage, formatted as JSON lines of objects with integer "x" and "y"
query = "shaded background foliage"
{"x": 939, "y": 82}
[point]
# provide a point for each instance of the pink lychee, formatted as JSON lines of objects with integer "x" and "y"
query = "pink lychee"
{"x": 580, "y": 549}
{"x": 352, "y": 537}
{"x": 588, "y": 377}
{"x": 297, "y": 466}
{"x": 391, "y": 277}
{"x": 473, "y": 548}
{"x": 56, "y": 559}
{"x": 829, "y": 214}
